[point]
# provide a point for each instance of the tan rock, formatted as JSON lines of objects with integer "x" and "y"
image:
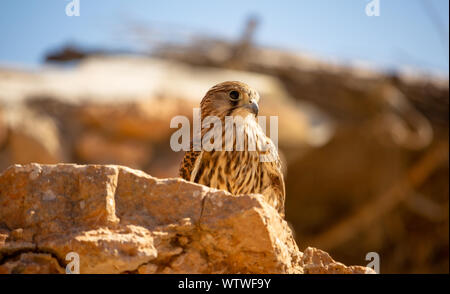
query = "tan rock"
{"x": 144, "y": 120}
{"x": 138, "y": 96}
{"x": 3, "y": 128}
{"x": 33, "y": 138}
{"x": 316, "y": 261}
{"x": 31, "y": 263}
{"x": 120, "y": 220}
{"x": 95, "y": 148}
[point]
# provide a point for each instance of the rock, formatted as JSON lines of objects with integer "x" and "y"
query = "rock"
{"x": 138, "y": 96}
{"x": 3, "y": 128}
{"x": 147, "y": 120}
{"x": 114, "y": 109}
{"x": 316, "y": 261}
{"x": 120, "y": 220}
{"x": 95, "y": 148}
{"x": 31, "y": 263}
{"x": 33, "y": 138}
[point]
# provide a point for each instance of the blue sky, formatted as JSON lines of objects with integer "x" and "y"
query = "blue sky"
{"x": 403, "y": 35}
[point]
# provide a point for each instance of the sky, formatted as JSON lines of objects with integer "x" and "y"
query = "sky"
{"x": 407, "y": 33}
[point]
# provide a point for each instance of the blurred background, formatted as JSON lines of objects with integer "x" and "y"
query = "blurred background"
{"x": 362, "y": 100}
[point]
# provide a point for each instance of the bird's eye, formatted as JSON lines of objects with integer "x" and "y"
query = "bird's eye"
{"x": 234, "y": 95}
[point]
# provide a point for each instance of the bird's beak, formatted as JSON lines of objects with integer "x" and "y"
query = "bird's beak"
{"x": 253, "y": 107}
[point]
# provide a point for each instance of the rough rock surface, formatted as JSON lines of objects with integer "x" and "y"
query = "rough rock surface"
{"x": 121, "y": 220}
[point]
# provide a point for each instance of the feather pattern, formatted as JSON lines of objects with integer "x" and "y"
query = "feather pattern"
{"x": 238, "y": 172}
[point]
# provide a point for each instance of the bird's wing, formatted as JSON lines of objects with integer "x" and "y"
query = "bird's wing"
{"x": 279, "y": 186}
{"x": 189, "y": 165}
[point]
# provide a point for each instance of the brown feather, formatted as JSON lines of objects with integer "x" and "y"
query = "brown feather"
{"x": 238, "y": 172}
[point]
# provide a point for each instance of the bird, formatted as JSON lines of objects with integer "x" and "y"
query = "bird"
{"x": 236, "y": 171}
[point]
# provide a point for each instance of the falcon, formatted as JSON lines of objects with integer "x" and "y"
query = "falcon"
{"x": 238, "y": 171}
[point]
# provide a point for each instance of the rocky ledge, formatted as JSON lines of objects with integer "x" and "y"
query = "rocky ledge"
{"x": 120, "y": 220}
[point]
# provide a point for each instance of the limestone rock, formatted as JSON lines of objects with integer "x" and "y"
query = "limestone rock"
{"x": 3, "y": 128}
{"x": 120, "y": 220}
{"x": 95, "y": 148}
{"x": 316, "y": 261}
{"x": 33, "y": 138}
{"x": 31, "y": 263}
{"x": 147, "y": 120}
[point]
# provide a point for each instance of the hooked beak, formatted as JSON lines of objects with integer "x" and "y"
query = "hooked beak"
{"x": 253, "y": 107}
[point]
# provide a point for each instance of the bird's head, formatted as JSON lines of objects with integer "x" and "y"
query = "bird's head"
{"x": 230, "y": 99}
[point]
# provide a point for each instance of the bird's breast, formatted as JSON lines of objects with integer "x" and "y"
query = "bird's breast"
{"x": 238, "y": 172}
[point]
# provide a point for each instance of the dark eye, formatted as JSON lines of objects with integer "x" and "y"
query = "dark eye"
{"x": 234, "y": 95}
